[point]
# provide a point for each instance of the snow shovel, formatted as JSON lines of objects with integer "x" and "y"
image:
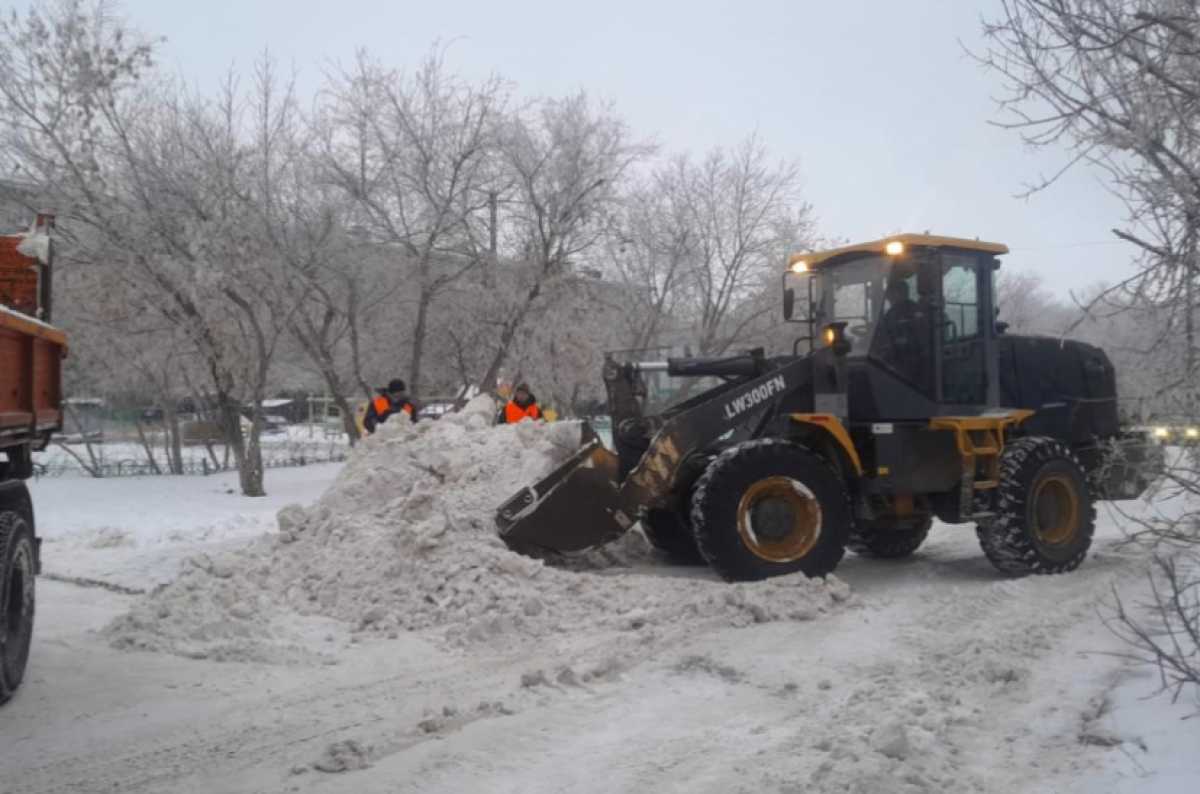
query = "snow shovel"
{"x": 575, "y": 507}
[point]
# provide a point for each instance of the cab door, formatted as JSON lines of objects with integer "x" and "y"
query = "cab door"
{"x": 961, "y": 333}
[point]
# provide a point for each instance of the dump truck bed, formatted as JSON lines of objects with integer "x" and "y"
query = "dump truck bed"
{"x": 31, "y": 355}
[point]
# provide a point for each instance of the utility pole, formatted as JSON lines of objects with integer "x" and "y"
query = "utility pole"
{"x": 493, "y": 212}
{"x": 1189, "y": 324}
{"x": 492, "y": 262}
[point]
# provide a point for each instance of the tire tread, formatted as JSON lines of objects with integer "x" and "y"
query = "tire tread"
{"x": 1004, "y": 538}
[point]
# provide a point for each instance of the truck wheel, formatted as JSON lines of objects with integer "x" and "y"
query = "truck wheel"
{"x": 17, "y": 570}
{"x": 668, "y": 531}
{"x": 770, "y": 507}
{"x": 1045, "y": 517}
{"x": 890, "y": 542}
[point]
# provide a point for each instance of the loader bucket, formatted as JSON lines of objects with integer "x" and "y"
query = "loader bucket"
{"x": 574, "y": 507}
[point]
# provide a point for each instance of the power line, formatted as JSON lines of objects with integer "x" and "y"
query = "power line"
{"x": 1068, "y": 245}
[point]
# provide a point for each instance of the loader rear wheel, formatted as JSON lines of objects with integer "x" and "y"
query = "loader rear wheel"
{"x": 770, "y": 507}
{"x": 1045, "y": 517}
{"x": 17, "y": 569}
{"x": 668, "y": 531}
{"x": 890, "y": 542}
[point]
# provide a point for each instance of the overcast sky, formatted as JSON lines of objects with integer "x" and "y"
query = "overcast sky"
{"x": 876, "y": 100}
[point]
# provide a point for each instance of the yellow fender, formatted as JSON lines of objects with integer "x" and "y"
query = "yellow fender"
{"x": 830, "y": 428}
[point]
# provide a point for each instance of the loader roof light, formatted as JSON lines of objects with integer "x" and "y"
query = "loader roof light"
{"x": 799, "y": 266}
{"x": 894, "y": 248}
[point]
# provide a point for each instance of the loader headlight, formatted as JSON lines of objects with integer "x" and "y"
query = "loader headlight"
{"x": 894, "y": 248}
{"x": 799, "y": 266}
{"x": 834, "y": 337}
{"x": 1192, "y": 432}
{"x": 1162, "y": 432}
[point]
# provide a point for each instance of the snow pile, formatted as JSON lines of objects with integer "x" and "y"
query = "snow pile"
{"x": 404, "y": 540}
{"x": 35, "y": 244}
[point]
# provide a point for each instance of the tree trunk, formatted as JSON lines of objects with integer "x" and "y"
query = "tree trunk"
{"x": 347, "y": 412}
{"x": 250, "y": 473}
{"x": 352, "y": 318}
{"x": 418, "y": 342}
{"x": 149, "y": 449}
{"x": 174, "y": 437}
{"x": 319, "y": 354}
{"x": 507, "y": 335}
{"x": 1189, "y": 323}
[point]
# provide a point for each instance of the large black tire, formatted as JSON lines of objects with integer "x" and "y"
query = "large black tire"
{"x": 668, "y": 531}
{"x": 799, "y": 502}
{"x": 17, "y": 569}
{"x": 1045, "y": 517}
{"x": 890, "y": 542}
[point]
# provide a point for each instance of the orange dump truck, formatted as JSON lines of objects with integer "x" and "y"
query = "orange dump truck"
{"x": 31, "y": 353}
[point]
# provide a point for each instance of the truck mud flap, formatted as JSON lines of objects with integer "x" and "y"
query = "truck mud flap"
{"x": 575, "y": 507}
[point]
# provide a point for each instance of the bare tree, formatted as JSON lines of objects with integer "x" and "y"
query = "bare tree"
{"x": 1027, "y": 306}
{"x": 1117, "y": 84}
{"x": 701, "y": 246}
{"x": 566, "y": 159}
{"x": 650, "y": 249}
{"x": 1164, "y": 631}
{"x": 159, "y": 178}
{"x": 747, "y": 215}
{"x": 304, "y": 220}
{"x": 413, "y": 152}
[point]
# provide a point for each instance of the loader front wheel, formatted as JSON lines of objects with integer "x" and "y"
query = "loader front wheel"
{"x": 770, "y": 507}
{"x": 1045, "y": 517}
{"x": 668, "y": 531}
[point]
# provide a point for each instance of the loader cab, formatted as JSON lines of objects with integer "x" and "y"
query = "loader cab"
{"x": 912, "y": 316}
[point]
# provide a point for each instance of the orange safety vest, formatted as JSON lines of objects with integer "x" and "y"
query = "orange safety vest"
{"x": 514, "y": 413}
{"x": 383, "y": 407}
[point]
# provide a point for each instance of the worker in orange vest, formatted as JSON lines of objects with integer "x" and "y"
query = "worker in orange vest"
{"x": 523, "y": 405}
{"x": 393, "y": 399}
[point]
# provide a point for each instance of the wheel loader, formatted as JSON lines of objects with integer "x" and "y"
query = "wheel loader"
{"x": 905, "y": 400}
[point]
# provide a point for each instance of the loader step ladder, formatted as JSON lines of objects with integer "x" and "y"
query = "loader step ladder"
{"x": 980, "y": 441}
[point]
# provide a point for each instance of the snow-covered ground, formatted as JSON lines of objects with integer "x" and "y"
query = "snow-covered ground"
{"x": 936, "y": 675}
{"x": 133, "y": 531}
{"x": 312, "y": 442}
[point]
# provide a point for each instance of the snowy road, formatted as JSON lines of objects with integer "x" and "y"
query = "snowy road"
{"x": 939, "y": 676}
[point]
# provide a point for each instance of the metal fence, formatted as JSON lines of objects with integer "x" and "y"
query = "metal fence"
{"x": 200, "y": 466}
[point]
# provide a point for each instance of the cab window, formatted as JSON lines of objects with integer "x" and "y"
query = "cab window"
{"x": 960, "y": 292}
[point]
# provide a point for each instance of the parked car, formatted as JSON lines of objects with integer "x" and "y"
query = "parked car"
{"x": 435, "y": 409}
{"x": 273, "y": 425}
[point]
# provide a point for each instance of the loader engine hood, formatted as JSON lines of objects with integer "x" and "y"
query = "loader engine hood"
{"x": 1071, "y": 385}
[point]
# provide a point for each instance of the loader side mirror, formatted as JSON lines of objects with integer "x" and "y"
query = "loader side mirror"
{"x": 789, "y": 302}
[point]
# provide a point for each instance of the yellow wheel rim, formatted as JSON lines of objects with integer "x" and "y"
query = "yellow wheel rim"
{"x": 1055, "y": 510}
{"x": 779, "y": 519}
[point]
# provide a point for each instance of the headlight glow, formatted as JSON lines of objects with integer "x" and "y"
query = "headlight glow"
{"x": 1192, "y": 432}
{"x": 799, "y": 266}
{"x": 1161, "y": 432}
{"x": 894, "y": 248}
{"x": 830, "y": 336}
